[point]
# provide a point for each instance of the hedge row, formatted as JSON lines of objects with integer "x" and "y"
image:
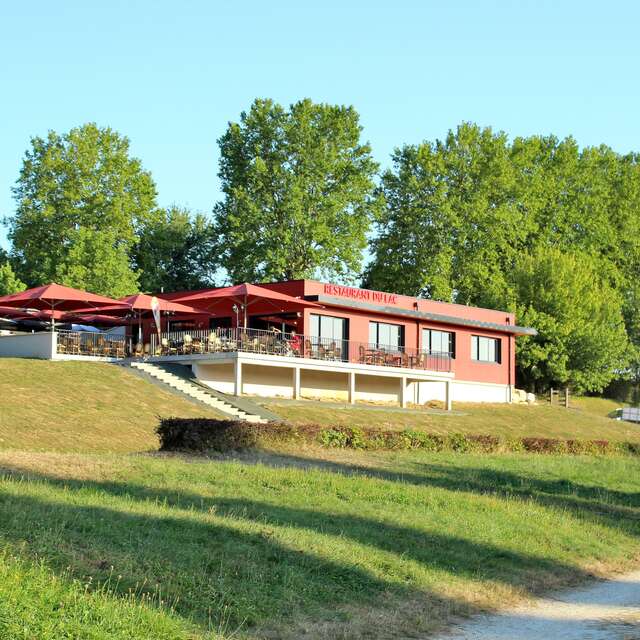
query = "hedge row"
{"x": 203, "y": 434}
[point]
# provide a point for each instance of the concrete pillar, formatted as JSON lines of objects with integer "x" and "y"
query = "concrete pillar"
{"x": 447, "y": 395}
{"x": 351, "y": 381}
{"x": 403, "y": 392}
{"x": 237, "y": 378}
{"x": 296, "y": 383}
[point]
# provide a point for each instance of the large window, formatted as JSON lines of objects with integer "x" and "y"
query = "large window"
{"x": 439, "y": 342}
{"x": 485, "y": 349}
{"x": 329, "y": 327}
{"x": 384, "y": 335}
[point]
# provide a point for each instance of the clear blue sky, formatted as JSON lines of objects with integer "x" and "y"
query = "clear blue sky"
{"x": 170, "y": 75}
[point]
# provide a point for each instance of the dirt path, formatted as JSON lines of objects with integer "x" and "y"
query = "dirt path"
{"x": 606, "y": 610}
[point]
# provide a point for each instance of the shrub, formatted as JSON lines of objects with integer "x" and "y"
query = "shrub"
{"x": 202, "y": 434}
{"x": 205, "y": 434}
{"x": 333, "y": 438}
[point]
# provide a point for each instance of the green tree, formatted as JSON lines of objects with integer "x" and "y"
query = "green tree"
{"x": 95, "y": 263}
{"x": 450, "y": 221}
{"x": 9, "y": 282}
{"x": 175, "y": 251}
{"x": 76, "y": 191}
{"x": 581, "y": 338}
{"x": 298, "y": 188}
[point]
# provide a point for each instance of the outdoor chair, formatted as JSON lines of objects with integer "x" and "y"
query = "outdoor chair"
{"x": 197, "y": 346}
{"x": 187, "y": 345}
{"x": 137, "y": 350}
{"x": 167, "y": 349}
{"x": 213, "y": 342}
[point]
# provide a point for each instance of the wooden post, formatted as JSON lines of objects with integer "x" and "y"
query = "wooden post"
{"x": 566, "y": 397}
{"x": 551, "y": 395}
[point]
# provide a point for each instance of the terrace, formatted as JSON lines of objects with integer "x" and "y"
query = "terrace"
{"x": 194, "y": 344}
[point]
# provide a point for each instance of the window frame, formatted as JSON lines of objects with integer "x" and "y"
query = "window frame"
{"x": 427, "y": 348}
{"x": 382, "y": 345}
{"x": 477, "y": 349}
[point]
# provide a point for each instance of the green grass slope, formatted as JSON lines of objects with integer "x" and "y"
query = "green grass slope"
{"x": 290, "y": 545}
{"x": 586, "y": 419}
{"x": 101, "y": 540}
{"x": 81, "y": 406}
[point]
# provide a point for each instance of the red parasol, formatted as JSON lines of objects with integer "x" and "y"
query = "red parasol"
{"x": 54, "y": 298}
{"x": 242, "y": 296}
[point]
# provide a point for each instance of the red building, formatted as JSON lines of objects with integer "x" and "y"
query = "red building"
{"x": 437, "y": 350}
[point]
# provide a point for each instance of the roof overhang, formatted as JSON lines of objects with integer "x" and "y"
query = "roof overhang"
{"x": 424, "y": 315}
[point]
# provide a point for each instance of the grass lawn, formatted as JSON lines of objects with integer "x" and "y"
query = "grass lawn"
{"x": 81, "y": 406}
{"x": 100, "y": 542}
{"x": 325, "y": 544}
{"x": 586, "y": 419}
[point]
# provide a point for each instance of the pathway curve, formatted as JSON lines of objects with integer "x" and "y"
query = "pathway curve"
{"x": 606, "y": 610}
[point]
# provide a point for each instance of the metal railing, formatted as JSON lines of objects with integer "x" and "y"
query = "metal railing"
{"x": 195, "y": 342}
{"x": 87, "y": 343}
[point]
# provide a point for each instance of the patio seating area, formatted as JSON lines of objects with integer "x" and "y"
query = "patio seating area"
{"x": 84, "y": 343}
{"x": 187, "y": 343}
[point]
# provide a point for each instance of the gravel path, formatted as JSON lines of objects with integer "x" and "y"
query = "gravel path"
{"x": 606, "y": 610}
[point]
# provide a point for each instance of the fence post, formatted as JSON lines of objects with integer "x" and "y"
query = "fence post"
{"x": 566, "y": 397}
{"x": 551, "y": 395}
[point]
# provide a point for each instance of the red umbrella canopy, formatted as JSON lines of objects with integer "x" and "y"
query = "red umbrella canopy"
{"x": 95, "y": 318}
{"x": 54, "y": 296}
{"x": 34, "y": 314}
{"x": 141, "y": 303}
{"x": 261, "y": 299}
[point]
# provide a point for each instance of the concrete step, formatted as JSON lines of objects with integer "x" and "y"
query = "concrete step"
{"x": 194, "y": 391}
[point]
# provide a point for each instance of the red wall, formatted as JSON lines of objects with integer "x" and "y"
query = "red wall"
{"x": 463, "y": 365}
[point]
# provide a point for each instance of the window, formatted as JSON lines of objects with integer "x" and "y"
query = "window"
{"x": 384, "y": 335}
{"x": 439, "y": 342}
{"x": 485, "y": 349}
{"x": 329, "y": 335}
{"x": 329, "y": 327}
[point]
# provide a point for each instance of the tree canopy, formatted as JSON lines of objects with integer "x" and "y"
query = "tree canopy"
{"x": 460, "y": 213}
{"x": 581, "y": 337}
{"x": 79, "y": 196}
{"x": 175, "y": 251}
{"x": 298, "y": 193}
{"x": 9, "y": 282}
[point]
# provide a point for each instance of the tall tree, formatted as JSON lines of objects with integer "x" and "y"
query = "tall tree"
{"x": 298, "y": 186}
{"x": 175, "y": 251}
{"x": 461, "y": 212}
{"x": 450, "y": 221}
{"x": 581, "y": 337}
{"x": 80, "y": 195}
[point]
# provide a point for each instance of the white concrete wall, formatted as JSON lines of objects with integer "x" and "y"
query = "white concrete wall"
{"x": 328, "y": 385}
{"x": 272, "y": 382}
{"x": 422, "y": 392}
{"x": 216, "y": 376}
{"x": 29, "y": 345}
{"x": 377, "y": 389}
{"x": 269, "y": 382}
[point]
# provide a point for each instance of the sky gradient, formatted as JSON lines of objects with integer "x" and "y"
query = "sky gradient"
{"x": 170, "y": 75}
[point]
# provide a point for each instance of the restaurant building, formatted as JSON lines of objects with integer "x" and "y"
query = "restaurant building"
{"x": 347, "y": 343}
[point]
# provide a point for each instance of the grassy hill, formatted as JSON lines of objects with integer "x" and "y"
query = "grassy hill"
{"x": 101, "y": 540}
{"x": 80, "y": 406}
{"x": 586, "y": 419}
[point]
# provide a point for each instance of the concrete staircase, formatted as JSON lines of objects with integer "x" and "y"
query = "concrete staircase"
{"x": 180, "y": 380}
